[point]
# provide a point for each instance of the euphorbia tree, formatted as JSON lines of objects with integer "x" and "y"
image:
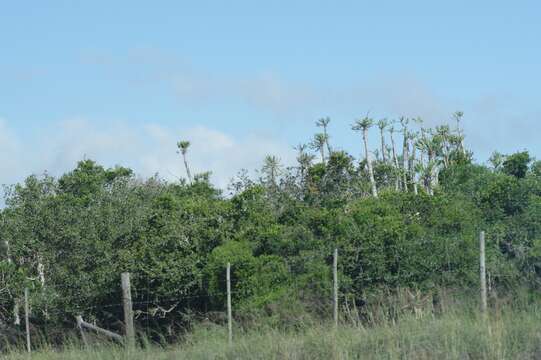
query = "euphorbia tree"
{"x": 318, "y": 144}
{"x": 395, "y": 158}
{"x": 323, "y": 123}
{"x": 183, "y": 149}
{"x": 458, "y": 118}
{"x": 382, "y": 125}
{"x": 363, "y": 125}
{"x": 431, "y": 145}
{"x": 405, "y": 152}
{"x": 271, "y": 169}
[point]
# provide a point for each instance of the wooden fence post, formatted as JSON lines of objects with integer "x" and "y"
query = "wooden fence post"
{"x": 229, "y": 312}
{"x": 27, "y": 320}
{"x": 482, "y": 271}
{"x": 79, "y": 319}
{"x": 16, "y": 317}
{"x": 128, "y": 310}
{"x": 335, "y": 290}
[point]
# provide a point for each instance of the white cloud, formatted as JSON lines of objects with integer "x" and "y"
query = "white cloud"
{"x": 265, "y": 91}
{"x": 148, "y": 149}
{"x": 211, "y": 150}
{"x": 11, "y": 160}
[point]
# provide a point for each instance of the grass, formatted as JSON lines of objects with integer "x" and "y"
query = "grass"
{"x": 460, "y": 333}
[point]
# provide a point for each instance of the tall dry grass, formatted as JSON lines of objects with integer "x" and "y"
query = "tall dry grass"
{"x": 511, "y": 331}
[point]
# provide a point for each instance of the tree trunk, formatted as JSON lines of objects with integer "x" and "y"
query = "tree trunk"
{"x": 383, "y": 150}
{"x": 41, "y": 271}
{"x": 16, "y": 317}
{"x": 412, "y": 167}
{"x": 445, "y": 152}
{"x": 430, "y": 173}
{"x": 435, "y": 178}
{"x": 8, "y": 253}
{"x": 460, "y": 137}
{"x": 327, "y": 141}
{"x": 405, "y": 160}
{"x": 187, "y": 169}
{"x": 395, "y": 162}
{"x": 369, "y": 164}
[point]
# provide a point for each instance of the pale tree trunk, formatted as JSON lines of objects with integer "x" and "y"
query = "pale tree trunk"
{"x": 435, "y": 178}
{"x": 445, "y": 153}
{"x": 327, "y": 141}
{"x": 369, "y": 164}
{"x": 405, "y": 160}
{"x": 412, "y": 167}
{"x": 430, "y": 173}
{"x": 16, "y": 317}
{"x": 432, "y": 180}
{"x": 41, "y": 271}
{"x": 395, "y": 162}
{"x": 41, "y": 277}
{"x": 422, "y": 180}
{"x": 8, "y": 254}
{"x": 187, "y": 168}
{"x": 428, "y": 181}
{"x": 421, "y": 150}
{"x": 322, "y": 152}
{"x": 383, "y": 150}
{"x": 273, "y": 175}
{"x": 461, "y": 138}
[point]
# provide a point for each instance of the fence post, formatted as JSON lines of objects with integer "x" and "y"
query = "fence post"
{"x": 27, "y": 320}
{"x": 79, "y": 319}
{"x": 229, "y": 312}
{"x": 128, "y": 310}
{"x": 16, "y": 317}
{"x": 335, "y": 290}
{"x": 482, "y": 271}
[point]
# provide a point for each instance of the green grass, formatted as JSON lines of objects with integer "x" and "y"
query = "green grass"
{"x": 460, "y": 333}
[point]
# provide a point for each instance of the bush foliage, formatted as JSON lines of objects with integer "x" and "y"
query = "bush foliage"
{"x": 68, "y": 239}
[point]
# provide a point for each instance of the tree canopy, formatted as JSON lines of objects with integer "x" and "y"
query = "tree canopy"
{"x": 69, "y": 238}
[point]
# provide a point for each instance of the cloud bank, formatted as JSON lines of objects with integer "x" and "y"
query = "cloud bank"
{"x": 491, "y": 120}
{"x": 147, "y": 149}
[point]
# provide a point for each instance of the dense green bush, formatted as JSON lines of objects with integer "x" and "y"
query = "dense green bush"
{"x": 68, "y": 240}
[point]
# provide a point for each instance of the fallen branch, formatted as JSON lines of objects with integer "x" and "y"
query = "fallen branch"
{"x": 83, "y": 324}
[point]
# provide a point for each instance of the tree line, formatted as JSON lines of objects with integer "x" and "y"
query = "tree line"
{"x": 404, "y": 215}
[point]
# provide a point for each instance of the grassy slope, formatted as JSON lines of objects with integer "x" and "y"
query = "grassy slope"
{"x": 508, "y": 334}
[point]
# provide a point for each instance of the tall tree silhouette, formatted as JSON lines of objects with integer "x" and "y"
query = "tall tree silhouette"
{"x": 395, "y": 158}
{"x": 382, "y": 125}
{"x": 318, "y": 144}
{"x": 363, "y": 125}
{"x": 405, "y": 152}
{"x": 271, "y": 169}
{"x": 305, "y": 161}
{"x": 183, "y": 147}
{"x": 458, "y": 118}
{"x": 324, "y": 123}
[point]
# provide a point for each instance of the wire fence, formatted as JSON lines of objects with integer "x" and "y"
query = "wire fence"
{"x": 115, "y": 314}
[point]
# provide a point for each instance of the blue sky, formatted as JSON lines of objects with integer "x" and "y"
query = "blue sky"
{"x": 121, "y": 81}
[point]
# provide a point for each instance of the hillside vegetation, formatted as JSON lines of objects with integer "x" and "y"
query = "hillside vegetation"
{"x": 405, "y": 219}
